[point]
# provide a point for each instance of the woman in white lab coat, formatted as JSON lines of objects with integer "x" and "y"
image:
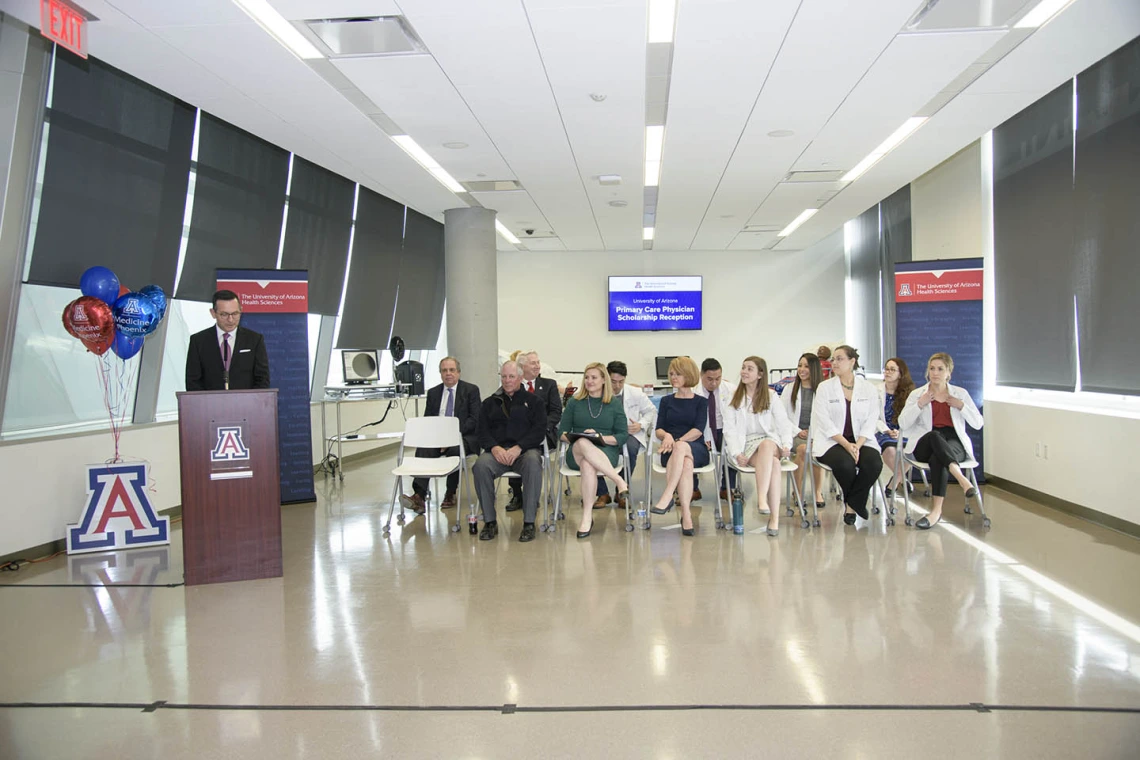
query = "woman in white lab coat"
{"x": 934, "y": 423}
{"x": 797, "y": 401}
{"x": 757, "y": 433}
{"x": 844, "y": 419}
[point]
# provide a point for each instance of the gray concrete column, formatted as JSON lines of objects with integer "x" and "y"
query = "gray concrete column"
{"x": 473, "y": 294}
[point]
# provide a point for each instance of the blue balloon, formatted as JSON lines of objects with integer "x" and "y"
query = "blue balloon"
{"x": 125, "y": 347}
{"x": 101, "y": 283}
{"x": 154, "y": 293}
{"x": 136, "y": 316}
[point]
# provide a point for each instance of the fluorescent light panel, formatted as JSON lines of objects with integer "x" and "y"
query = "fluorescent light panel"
{"x": 806, "y": 214}
{"x": 662, "y": 14}
{"x": 892, "y": 142}
{"x": 654, "y": 140}
{"x": 413, "y": 149}
{"x": 652, "y": 173}
{"x": 646, "y": 233}
{"x": 1044, "y": 11}
{"x": 284, "y": 32}
{"x": 507, "y": 235}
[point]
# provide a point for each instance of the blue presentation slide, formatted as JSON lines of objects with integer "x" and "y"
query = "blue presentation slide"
{"x": 655, "y": 303}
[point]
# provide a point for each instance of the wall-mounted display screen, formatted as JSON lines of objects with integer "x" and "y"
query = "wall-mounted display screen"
{"x": 655, "y": 303}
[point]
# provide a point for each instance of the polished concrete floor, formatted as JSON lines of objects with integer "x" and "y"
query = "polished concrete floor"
{"x": 837, "y": 642}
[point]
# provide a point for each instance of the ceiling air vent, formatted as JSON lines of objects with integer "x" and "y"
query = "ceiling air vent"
{"x": 373, "y": 36}
{"x": 815, "y": 176}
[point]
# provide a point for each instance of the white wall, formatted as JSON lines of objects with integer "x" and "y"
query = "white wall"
{"x": 951, "y": 219}
{"x": 946, "y": 208}
{"x": 45, "y": 477}
{"x": 772, "y": 304}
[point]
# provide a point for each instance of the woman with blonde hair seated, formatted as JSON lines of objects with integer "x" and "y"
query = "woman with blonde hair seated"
{"x": 681, "y": 421}
{"x": 934, "y": 422}
{"x": 595, "y": 426}
{"x": 757, "y": 433}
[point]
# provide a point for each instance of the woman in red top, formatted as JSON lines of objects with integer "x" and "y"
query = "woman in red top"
{"x": 934, "y": 420}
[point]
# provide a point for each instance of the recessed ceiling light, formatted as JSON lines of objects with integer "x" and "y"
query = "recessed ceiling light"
{"x": 884, "y": 148}
{"x": 647, "y": 233}
{"x": 273, "y": 22}
{"x": 455, "y": 145}
{"x": 806, "y": 214}
{"x": 619, "y": 204}
{"x": 412, "y": 148}
{"x": 1044, "y": 11}
{"x": 662, "y": 16}
{"x": 781, "y": 133}
{"x": 507, "y": 234}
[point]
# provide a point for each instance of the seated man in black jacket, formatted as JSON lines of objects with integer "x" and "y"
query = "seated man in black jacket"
{"x": 512, "y": 424}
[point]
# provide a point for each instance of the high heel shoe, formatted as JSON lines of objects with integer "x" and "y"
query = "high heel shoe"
{"x": 849, "y": 518}
{"x": 623, "y": 497}
{"x": 688, "y": 531}
{"x": 971, "y": 492}
{"x": 586, "y": 533}
{"x": 658, "y": 511}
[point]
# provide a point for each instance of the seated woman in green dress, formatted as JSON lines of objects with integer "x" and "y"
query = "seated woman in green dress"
{"x": 593, "y": 409}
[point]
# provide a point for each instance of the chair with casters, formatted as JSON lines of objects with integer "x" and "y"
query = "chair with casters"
{"x": 654, "y": 458}
{"x": 565, "y": 473}
{"x": 428, "y": 433}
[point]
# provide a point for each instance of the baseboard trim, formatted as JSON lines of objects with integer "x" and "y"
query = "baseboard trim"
{"x": 1076, "y": 510}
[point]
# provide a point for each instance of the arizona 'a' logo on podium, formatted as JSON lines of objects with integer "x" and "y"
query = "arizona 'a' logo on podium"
{"x": 904, "y": 290}
{"x": 118, "y": 514}
{"x": 229, "y": 446}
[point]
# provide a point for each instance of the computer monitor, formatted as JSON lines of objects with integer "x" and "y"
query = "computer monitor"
{"x": 360, "y": 366}
{"x": 663, "y": 366}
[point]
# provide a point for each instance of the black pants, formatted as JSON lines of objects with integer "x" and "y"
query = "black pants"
{"x": 939, "y": 448}
{"x": 855, "y": 480}
{"x": 420, "y": 485}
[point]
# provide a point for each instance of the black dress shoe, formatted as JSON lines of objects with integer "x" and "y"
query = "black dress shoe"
{"x": 971, "y": 492}
{"x": 925, "y": 524}
{"x": 688, "y": 531}
{"x": 586, "y": 533}
{"x": 514, "y": 505}
{"x": 862, "y": 512}
{"x": 490, "y": 530}
{"x": 849, "y": 518}
{"x": 527, "y": 533}
{"x": 665, "y": 511}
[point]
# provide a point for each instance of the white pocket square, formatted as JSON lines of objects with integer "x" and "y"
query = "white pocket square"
{"x": 245, "y": 350}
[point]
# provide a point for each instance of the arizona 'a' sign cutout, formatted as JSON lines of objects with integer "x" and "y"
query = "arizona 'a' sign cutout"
{"x": 118, "y": 514}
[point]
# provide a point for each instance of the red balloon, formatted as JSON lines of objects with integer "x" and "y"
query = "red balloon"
{"x": 90, "y": 319}
{"x": 123, "y": 290}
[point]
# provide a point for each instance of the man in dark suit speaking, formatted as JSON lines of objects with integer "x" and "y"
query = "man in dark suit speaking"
{"x": 451, "y": 398}
{"x": 225, "y": 356}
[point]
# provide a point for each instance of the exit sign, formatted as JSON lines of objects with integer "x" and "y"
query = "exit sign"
{"x": 64, "y": 25}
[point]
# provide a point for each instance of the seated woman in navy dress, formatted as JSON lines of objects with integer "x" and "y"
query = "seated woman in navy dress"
{"x": 681, "y": 422}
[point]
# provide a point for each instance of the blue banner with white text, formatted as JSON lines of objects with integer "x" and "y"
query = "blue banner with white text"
{"x": 275, "y": 304}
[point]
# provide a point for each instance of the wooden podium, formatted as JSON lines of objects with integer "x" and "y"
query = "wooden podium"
{"x": 231, "y": 492}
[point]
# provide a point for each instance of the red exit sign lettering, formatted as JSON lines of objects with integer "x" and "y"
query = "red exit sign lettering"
{"x": 64, "y": 25}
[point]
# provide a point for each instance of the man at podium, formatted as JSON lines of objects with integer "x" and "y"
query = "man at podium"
{"x": 226, "y": 356}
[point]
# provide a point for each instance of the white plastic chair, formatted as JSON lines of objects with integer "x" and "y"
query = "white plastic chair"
{"x": 788, "y": 468}
{"x": 428, "y": 433}
{"x": 564, "y": 475}
{"x": 970, "y": 467}
{"x": 876, "y": 490}
{"x": 654, "y": 458}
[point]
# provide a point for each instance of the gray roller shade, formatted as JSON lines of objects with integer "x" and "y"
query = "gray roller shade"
{"x": 114, "y": 182}
{"x": 1033, "y": 245}
{"x": 317, "y": 232}
{"x": 239, "y": 199}
{"x": 419, "y": 306}
{"x": 374, "y": 273}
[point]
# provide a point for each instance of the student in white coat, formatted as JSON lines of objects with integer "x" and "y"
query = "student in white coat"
{"x": 719, "y": 393}
{"x": 844, "y": 418}
{"x": 797, "y": 401}
{"x": 934, "y": 422}
{"x": 639, "y": 412}
{"x": 757, "y": 433}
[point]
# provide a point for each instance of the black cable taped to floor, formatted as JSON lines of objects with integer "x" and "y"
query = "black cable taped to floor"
{"x": 91, "y": 585}
{"x": 512, "y": 709}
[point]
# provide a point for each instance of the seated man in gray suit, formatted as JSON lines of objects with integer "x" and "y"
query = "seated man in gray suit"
{"x": 451, "y": 398}
{"x": 547, "y": 391}
{"x": 512, "y": 425}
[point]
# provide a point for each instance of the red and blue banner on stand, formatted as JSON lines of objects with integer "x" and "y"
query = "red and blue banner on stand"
{"x": 938, "y": 307}
{"x": 275, "y": 303}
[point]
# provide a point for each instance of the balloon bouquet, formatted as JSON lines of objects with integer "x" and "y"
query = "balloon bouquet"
{"x": 108, "y": 317}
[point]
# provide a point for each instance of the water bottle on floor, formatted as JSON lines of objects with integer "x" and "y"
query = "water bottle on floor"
{"x": 642, "y": 516}
{"x": 737, "y": 512}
